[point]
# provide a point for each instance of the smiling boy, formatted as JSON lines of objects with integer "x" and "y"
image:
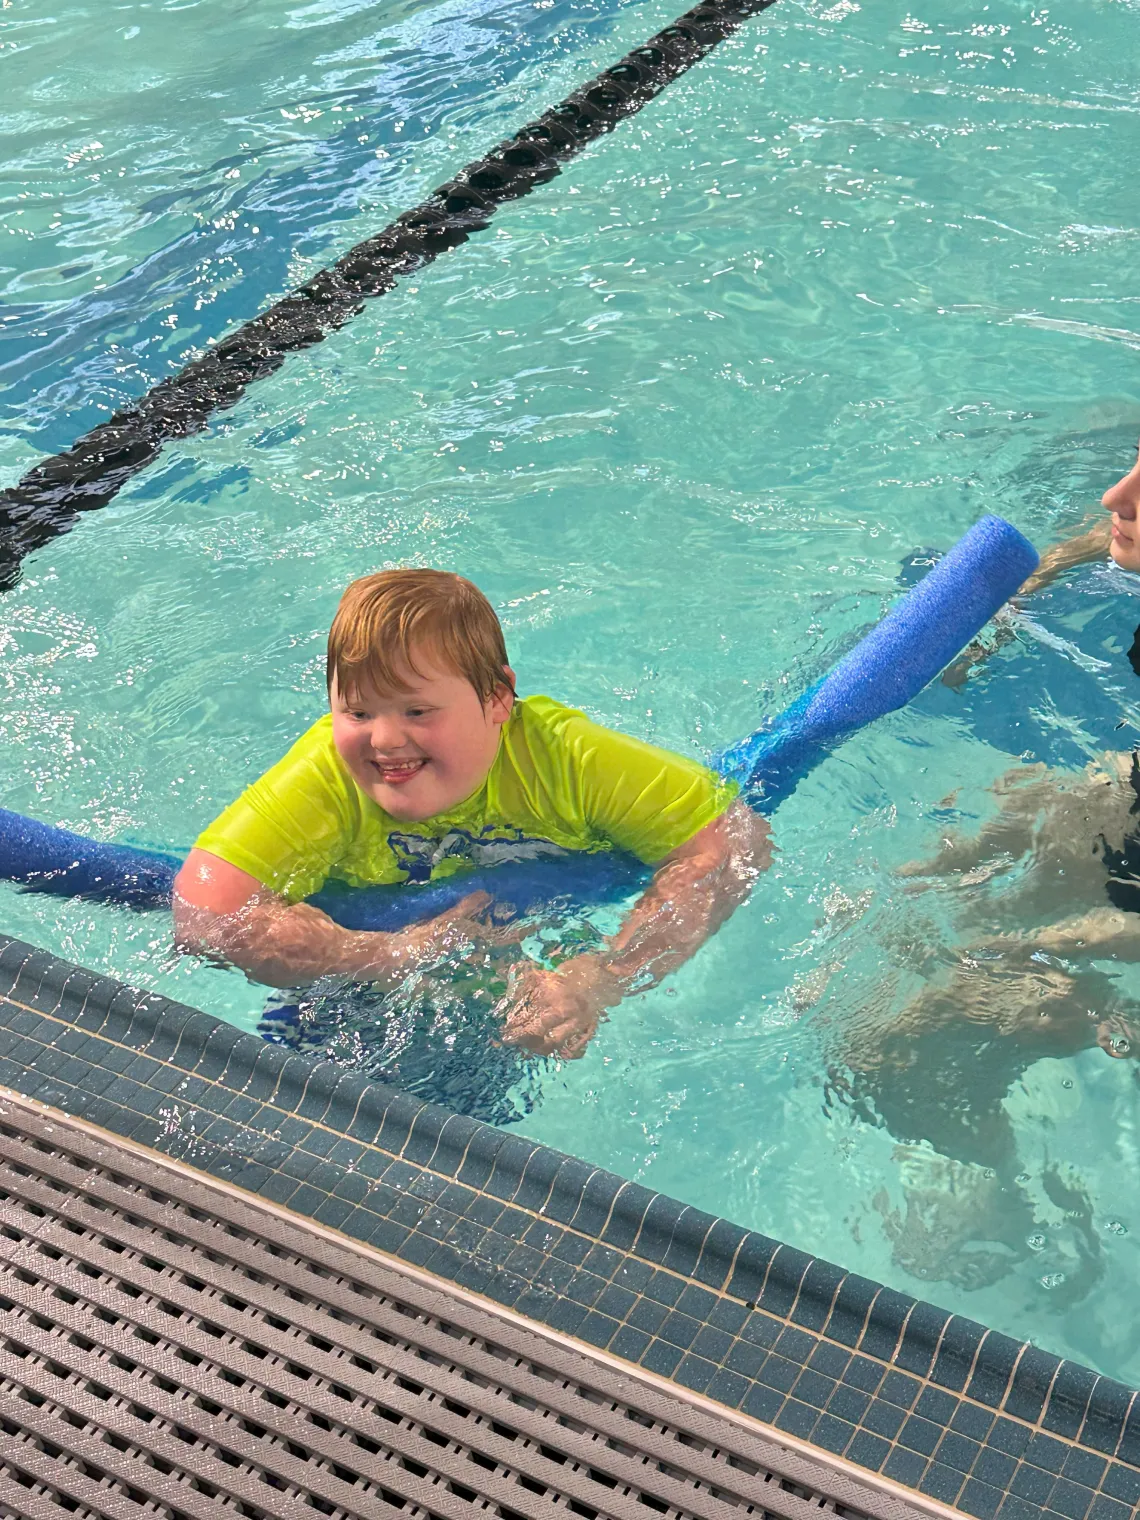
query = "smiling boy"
{"x": 427, "y": 763}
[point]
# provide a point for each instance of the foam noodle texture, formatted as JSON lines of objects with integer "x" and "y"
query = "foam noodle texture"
{"x": 913, "y": 643}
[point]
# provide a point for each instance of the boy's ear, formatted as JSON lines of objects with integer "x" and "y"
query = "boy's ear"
{"x": 504, "y": 697}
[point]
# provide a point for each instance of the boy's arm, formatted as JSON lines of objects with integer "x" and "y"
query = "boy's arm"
{"x": 224, "y": 913}
{"x": 695, "y": 889}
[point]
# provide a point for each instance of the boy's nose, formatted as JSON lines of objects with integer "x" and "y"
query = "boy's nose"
{"x": 387, "y": 735}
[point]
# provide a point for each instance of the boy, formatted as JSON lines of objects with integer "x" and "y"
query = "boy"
{"x": 427, "y": 761}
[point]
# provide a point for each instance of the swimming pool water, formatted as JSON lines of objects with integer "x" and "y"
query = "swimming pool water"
{"x": 685, "y": 413}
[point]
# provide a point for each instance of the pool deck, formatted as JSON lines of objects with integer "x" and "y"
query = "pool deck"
{"x": 942, "y": 1409}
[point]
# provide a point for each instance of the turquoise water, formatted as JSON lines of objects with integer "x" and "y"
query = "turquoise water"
{"x": 684, "y": 414}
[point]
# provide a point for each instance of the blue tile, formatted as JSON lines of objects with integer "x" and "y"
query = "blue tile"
{"x": 662, "y": 1358}
{"x": 1069, "y": 1400}
{"x": 679, "y": 1330}
{"x": 745, "y": 1359}
{"x": 797, "y": 1419}
{"x": 1031, "y": 1380}
{"x": 626, "y": 1215}
{"x": 664, "y": 1288}
{"x": 796, "y": 1345}
{"x": 934, "y": 1404}
{"x": 900, "y": 1389}
{"x": 616, "y": 1302}
{"x": 832, "y": 1434}
{"x": 956, "y": 1352}
{"x": 1015, "y": 1508}
{"x": 957, "y": 1451}
{"x": 942, "y": 1483}
{"x": 567, "y": 1190}
{"x": 634, "y": 1275}
{"x": 1073, "y": 1500}
{"x": 868, "y": 1451}
{"x": 905, "y": 1467}
{"x": 657, "y": 1225}
{"x": 695, "y": 1373}
{"x": 818, "y": 1291}
{"x": 1084, "y": 1467}
{"x": 717, "y": 1254}
{"x": 630, "y": 1344}
{"x": 1104, "y": 1422}
{"x": 993, "y": 1368}
{"x": 1122, "y": 1483}
{"x": 565, "y": 1316}
{"x": 785, "y": 1275}
{"x": 885, "y": 1324}
{"x": 689, "y": 1235}
{"x": 777, "y": 1372}
{"x": 1009, "y": 1436}
{"x": 647, "y": 1316}
{"x": 864, "y": 1374}
{"x": 832, "y": 1361}
{"x": 1032, "y": 1484}
{"x": 727, "y": 1388}
{"x": 752, "y": 1263}
{"x": 921, "y": 1435}
{"x": 924, "y": 1327}
{"x": 1129, "y": 1448}
{"x": 848, "y": 1404}
{"x": 597, "y": 1329}
{"x": 761, "y": 1330}
{"x": 594, "y": 1203}
{"x": 1046, "y": 1452}
{"x": 713, "y": 1344}
{"x": 884, "y": 1419}
{"x": 763, "y": 1403}
{"x": 814, "y": 1389}
{"x": 971, "y": 1421}
{"x": 1104, "y": 1508}
{"x": 698, "y": 1302}
{"x": 979, "y": 1500}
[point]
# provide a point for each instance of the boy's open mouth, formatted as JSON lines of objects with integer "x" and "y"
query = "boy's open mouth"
{"x": 395, "y": 772}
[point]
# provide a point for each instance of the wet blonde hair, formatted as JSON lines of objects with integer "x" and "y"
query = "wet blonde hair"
{"x": 386, "y": 621}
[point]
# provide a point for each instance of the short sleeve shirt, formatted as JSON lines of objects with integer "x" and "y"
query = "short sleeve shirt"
{"x": 559, "y": 783}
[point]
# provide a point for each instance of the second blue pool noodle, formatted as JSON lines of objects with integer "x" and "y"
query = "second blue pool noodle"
{"x": 915, "y": 641}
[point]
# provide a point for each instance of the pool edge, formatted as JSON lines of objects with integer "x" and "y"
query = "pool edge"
{"x": 955, "y": 1413}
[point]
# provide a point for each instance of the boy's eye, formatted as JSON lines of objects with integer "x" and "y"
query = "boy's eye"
{"x": 418, "y": 712}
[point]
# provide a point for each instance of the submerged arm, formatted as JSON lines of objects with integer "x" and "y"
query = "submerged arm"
{"x": 227, "y": 915}
{"x": 1082, "y": 549}
{"x": 694, "y": 890}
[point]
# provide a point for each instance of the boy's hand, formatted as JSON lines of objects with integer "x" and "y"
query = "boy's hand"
{"x": 556, "y": 1013}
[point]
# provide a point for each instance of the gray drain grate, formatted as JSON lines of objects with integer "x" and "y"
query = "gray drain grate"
{"x": 172, "y": 1348}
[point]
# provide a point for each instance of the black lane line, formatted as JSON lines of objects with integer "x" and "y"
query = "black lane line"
{"x": 50, "y": 497}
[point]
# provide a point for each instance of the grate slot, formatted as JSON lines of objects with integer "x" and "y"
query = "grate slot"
{"x": 174, "y": 1349}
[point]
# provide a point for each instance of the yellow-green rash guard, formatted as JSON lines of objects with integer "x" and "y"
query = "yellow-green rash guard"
{"x": 558, "y": 783}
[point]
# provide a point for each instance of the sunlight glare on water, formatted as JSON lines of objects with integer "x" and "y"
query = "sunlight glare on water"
{"x": 685, "y": 414}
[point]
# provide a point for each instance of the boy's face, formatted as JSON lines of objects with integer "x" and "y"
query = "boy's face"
{"x": 419, "y": 752}
{"x": 1123, "y": 501}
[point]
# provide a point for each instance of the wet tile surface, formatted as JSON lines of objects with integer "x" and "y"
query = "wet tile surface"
{"x": 945, "y": 1407}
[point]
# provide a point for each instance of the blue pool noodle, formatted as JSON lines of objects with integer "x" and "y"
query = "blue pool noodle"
{"x": 915, "y": 641}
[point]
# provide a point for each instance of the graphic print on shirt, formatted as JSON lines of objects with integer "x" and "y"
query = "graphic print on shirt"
{"x": 419, "y": 856}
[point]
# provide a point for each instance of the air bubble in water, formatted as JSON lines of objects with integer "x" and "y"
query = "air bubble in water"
{"x": 1053, "y": 1279}
{"x": 1022, "y": 1179}
{"x": 1116, "y": 1227}
{"x": 1067, "y": 1082}
{"x": 1036, "y": 1242}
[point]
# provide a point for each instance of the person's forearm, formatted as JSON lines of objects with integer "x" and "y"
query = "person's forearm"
{"x": 286, "y": 946}
{"x": 689, "y": 899}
